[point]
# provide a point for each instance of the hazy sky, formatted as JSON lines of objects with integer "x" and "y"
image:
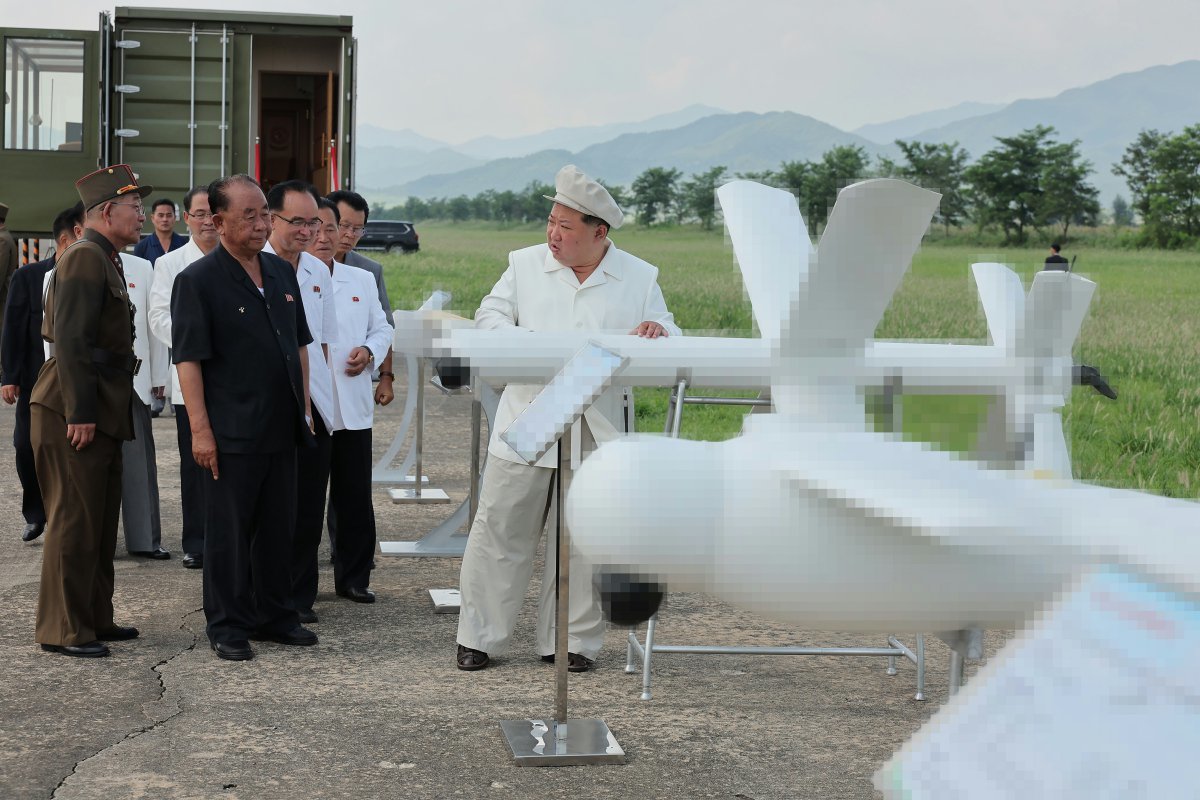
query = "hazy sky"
{"x": 456, "y": 70}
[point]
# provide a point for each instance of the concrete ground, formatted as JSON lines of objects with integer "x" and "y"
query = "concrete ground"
{"x": 378, "y": 710}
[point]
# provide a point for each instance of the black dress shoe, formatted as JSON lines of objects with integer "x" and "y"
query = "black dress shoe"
{"x": 470, "y": 659}
{"x": 193, "y": 560}
{"x": 158, "y": 554}
{"x": 307, "y": 617}
{"x": 89, "y": 650}
{"x": 298, "y": 636}
{"x": 575, "y": 662}
{"x": 357, "y": 594}
{"x": 118, "y": 633}
{"x": 236, "y": 650}
{"x": 32, "y": 531}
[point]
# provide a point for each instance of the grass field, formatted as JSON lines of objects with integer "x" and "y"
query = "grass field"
{"x": 1142, "y": 332}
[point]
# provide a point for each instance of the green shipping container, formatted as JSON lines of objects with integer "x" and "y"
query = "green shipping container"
{"x": 183, "y": 96}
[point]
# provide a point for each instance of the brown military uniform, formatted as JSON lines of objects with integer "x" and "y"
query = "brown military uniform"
{"x": 88, "y": 379}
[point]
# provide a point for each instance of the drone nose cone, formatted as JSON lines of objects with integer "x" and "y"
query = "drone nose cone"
{"x": 649, "y": 506}
{"x": 628, "y": 599}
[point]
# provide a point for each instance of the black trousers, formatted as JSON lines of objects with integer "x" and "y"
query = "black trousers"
{"x": 350, "y": 502}
{"x": 33, "y": 508}
{"x": 191, "y": 485}
{"x": 312, "y": 484}
{"x": 249, "y": 515}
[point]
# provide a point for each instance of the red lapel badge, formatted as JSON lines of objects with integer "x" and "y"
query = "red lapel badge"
{"x": 133, "y": 286}
{"x": 354, "y": 299}
{"x": 317, "y": 289}
{"x": 289, "y": 298}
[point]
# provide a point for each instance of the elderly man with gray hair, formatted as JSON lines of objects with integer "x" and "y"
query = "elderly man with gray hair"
{"x": 577, "y": 280}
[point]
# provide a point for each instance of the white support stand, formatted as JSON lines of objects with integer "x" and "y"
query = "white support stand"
{"x": 636, "y": 650}
{"x": 418, "y": 494}
{"x": 562, "y": 741}
{"x": 449, "y": 539}
{"x": 383, "y": 471}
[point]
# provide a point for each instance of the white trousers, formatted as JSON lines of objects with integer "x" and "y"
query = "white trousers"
{"x": 514, "y": 501}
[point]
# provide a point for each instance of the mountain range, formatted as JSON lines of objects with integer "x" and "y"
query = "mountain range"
{"x": 1105, "y": 116}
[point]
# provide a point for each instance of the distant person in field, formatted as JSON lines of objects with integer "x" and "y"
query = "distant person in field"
{"x": 1054, "y": 260}
{"x": 1081, "y": 374}
{"x": 577, "y": 280}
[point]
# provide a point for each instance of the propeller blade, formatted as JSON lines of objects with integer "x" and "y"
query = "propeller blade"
{"x": 771, "y": 245}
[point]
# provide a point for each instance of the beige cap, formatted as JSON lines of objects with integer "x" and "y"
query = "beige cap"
{"x": 576, "y": 190}
{"x": 3, "y": 212}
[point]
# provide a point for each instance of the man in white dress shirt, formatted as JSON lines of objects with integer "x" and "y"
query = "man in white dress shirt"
{"x": 363, "y": 337}
{"x": 294, "y": 224}
{"x": 197, "y": 215}
{"x": 140, "y": 516}
{"x": 578, "y": 280}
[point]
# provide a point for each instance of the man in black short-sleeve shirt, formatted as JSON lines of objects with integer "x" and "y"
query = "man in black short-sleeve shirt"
{"x": 238, "y": 338}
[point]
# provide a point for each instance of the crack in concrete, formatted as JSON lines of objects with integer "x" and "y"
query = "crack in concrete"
{"x": 162, "y": 693}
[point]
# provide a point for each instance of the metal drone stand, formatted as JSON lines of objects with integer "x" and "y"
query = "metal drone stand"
{"x": 562, "y": 741}
{"x": 449, "y": 538}
{"x": 636, "y": 650}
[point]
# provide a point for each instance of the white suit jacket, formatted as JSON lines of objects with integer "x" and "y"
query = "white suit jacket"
{"x": 538, "y": 293}
{"x": 166, "y": 269}
{"x": 139, "y": 274}
{"x": 361, "y": 322}
{"x": 316, "y": 290}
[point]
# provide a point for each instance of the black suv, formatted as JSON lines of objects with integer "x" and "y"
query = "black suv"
{"x": 390, "y": 235}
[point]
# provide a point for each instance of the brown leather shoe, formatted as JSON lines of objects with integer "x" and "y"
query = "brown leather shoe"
{"x": 470, "y": 659}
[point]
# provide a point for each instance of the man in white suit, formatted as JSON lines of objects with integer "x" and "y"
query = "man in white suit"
{"x": 363, "y": 338}
{"x": 294, "y": 225}
{"x": 197, "y": 215}
{"x": 140, "y": 515}
{"x": 578, "y": 280}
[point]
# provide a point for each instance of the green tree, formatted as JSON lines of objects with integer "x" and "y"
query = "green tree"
{"x": 1122, "y": 214}
{"x": 654, "y": 193}
{"x": 1067, "y": 197}
{"x": 1032, "y": 180}
{"x": 1137, "y": 168}
{"x": 698, "y": 196}
{"x": 1163, "y": 174}
{"x": 534, "y": 205}
{"x": 940, "y": 167}
{"x": 459, "y": 208}
{"x": 818, "y": 182}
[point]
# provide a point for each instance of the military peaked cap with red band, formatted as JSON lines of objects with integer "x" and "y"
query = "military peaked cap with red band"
{"x": 109, "y": 183}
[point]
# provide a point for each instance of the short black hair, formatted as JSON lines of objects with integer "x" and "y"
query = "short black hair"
{"x": 163, "y": 201}
{"x": 191, "y": 195}
{"x": 592, "y": 220}
{"x": 1055, "y": 246}
{"x": 352, "y": 199}
{"x": 325, "y": 202}
{"x": 279, "y": 191}
{"x": 67, "y": 219}
{"x": 218, "y": 198}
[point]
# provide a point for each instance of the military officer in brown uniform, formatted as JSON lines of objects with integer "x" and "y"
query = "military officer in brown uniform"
{"x": 81, "y": 414}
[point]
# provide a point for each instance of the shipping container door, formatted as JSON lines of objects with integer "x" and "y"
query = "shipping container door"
{"x": 50, "y": 133}
{"x": 173, "y": 116}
